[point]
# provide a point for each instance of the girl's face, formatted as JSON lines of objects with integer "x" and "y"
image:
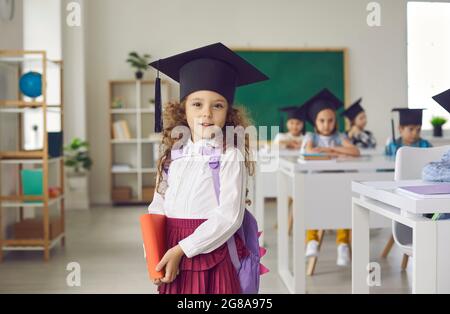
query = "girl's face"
{"x": 326, "y": 122}
{"x": 410, "y": 133}
{"x": 295, "y": 126}
{"x": 361, "y": 120}
{"x": 205, "y": 112}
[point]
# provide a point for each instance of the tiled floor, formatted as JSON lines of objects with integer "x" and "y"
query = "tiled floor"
{"x": 106, "y": 242}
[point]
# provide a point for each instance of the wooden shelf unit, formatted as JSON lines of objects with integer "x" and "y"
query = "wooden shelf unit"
{"x": 19, "y": 158}
{"x": 135, "y": 151}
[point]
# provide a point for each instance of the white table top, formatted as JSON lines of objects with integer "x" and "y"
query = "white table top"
{"x": 365, "y": 162}
{"x": 385, "y": 192}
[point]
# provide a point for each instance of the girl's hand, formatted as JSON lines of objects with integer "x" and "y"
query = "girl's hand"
{"x": 327, "y": 150}
{"x": 293, "y": 145}
{"x": 157, "y": 282}
{"x": 171, "y": 262}
{"x": 354, "y": 131}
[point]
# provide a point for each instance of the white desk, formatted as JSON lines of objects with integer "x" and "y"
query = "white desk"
{"x": 321, "y": 193}
{"x": 263, "y": 185}
{"x": 431, "y": 251}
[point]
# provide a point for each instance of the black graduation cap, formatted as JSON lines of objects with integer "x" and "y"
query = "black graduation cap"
{"x": 352, "y": 111}
{"x": 322, "y": 100}
{"x": 443, "y": 99}
{"x": 409, "y": 116}
{"x": 295, "y": 112}
{"x": 214, "y": 67}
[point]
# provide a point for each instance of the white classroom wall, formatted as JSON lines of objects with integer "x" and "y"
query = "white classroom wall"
{"x": 377, "y": 55}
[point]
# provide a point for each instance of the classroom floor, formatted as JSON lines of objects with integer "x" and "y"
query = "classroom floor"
{"x": 106, "y": 242}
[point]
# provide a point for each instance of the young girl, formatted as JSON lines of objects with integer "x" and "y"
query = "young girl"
{"x": 358, "y": 121}
{"x": 199, "y": 225}
{"x": 295, "y": 124}
{"x": 321, "y": 112}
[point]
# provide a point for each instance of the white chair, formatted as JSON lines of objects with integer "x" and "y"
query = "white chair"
{"x": 409, "y": 163}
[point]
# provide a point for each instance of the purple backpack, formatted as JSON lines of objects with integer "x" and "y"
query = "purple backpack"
{"x": 249, "y": 269}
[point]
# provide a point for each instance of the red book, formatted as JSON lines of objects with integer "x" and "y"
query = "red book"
{"x": 153, "y": 228}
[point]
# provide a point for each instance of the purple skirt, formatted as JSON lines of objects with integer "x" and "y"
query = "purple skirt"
{"x": 211, "y": 273}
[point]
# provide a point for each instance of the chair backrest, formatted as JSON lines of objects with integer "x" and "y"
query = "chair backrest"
{"x": 409, "y": 161}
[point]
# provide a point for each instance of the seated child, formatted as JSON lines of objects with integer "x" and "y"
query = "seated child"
{"x": 321, "y": 112}
{"x": 358, "y": 121}
{"x": 295, "y": 125}
{"x": 410, "y": 126}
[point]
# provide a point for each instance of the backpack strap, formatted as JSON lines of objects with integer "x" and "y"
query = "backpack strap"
{"x": 174, "y": 154}
{"x": 214, "y": 164}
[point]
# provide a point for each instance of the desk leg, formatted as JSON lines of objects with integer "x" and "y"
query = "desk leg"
{"x": 298, "y": 208}
{"x": 360, "y": 248}
{"x": 282, "y": 234}
{"x": 424, "y": 258}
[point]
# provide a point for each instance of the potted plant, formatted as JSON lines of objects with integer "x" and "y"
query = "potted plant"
{"x": 77, "y": 157}
{"x": 78, "y": 163}
{"x": 138, "y": 62}
{"x": 437, "y": 123}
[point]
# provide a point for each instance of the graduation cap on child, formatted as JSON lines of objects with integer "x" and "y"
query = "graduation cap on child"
{"x": 294, "y": 112}
{"x": 352, "y": 112}
{"x": 409, "y": 116}
{"x": 214, "y": 67}
{"x": 443, "y": 99}
{"x": 321, "y": 101}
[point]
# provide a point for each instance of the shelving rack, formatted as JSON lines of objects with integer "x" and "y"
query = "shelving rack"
{"x": 141, "y": 151}
{"x": 19, "y": 59}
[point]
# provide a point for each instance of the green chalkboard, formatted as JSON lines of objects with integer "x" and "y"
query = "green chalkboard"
{"x": 295, "y": 76}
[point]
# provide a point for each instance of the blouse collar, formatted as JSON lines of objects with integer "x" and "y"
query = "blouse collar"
{"x": 201, "y": 147}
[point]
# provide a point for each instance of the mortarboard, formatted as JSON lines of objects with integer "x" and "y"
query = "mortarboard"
{"x": 214, "y": 67}
{"x": 443, "y": 99}
{"x": 321, "y": 101}
{"x": 295, "y": 112}
{"x": 352, "y": 111}
{"x": 409, "y": 116}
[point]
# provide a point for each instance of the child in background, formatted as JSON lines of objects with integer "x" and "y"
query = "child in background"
{"x": 358, "y": 121}
{"x": 295, "y": 124}
{"x": 198, "y": 224}
{"x": 321, "y": 112}
{"x": 410, "y": 126}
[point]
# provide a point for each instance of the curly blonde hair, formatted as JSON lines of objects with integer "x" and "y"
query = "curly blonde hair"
{"x": 174, "y": 115}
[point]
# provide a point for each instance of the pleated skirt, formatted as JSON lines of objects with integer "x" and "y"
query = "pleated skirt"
{"x": 211, "y": 273}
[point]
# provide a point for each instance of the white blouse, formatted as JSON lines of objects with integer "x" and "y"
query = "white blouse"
{"x": 190, "y": 194}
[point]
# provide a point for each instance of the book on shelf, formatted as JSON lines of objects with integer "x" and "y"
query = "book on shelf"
{"x": 121, "y": 130}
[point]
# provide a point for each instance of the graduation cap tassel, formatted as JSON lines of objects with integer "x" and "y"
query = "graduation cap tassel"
{"x": 158, "y": 107}
{"x": 393, "y": 131}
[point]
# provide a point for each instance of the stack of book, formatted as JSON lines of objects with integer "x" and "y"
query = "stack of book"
{"x": 318, "y": 156}
{"x": 121, "y": 130}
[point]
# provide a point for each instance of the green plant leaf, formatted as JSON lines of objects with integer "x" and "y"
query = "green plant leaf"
{"x": 438, "y": 121}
